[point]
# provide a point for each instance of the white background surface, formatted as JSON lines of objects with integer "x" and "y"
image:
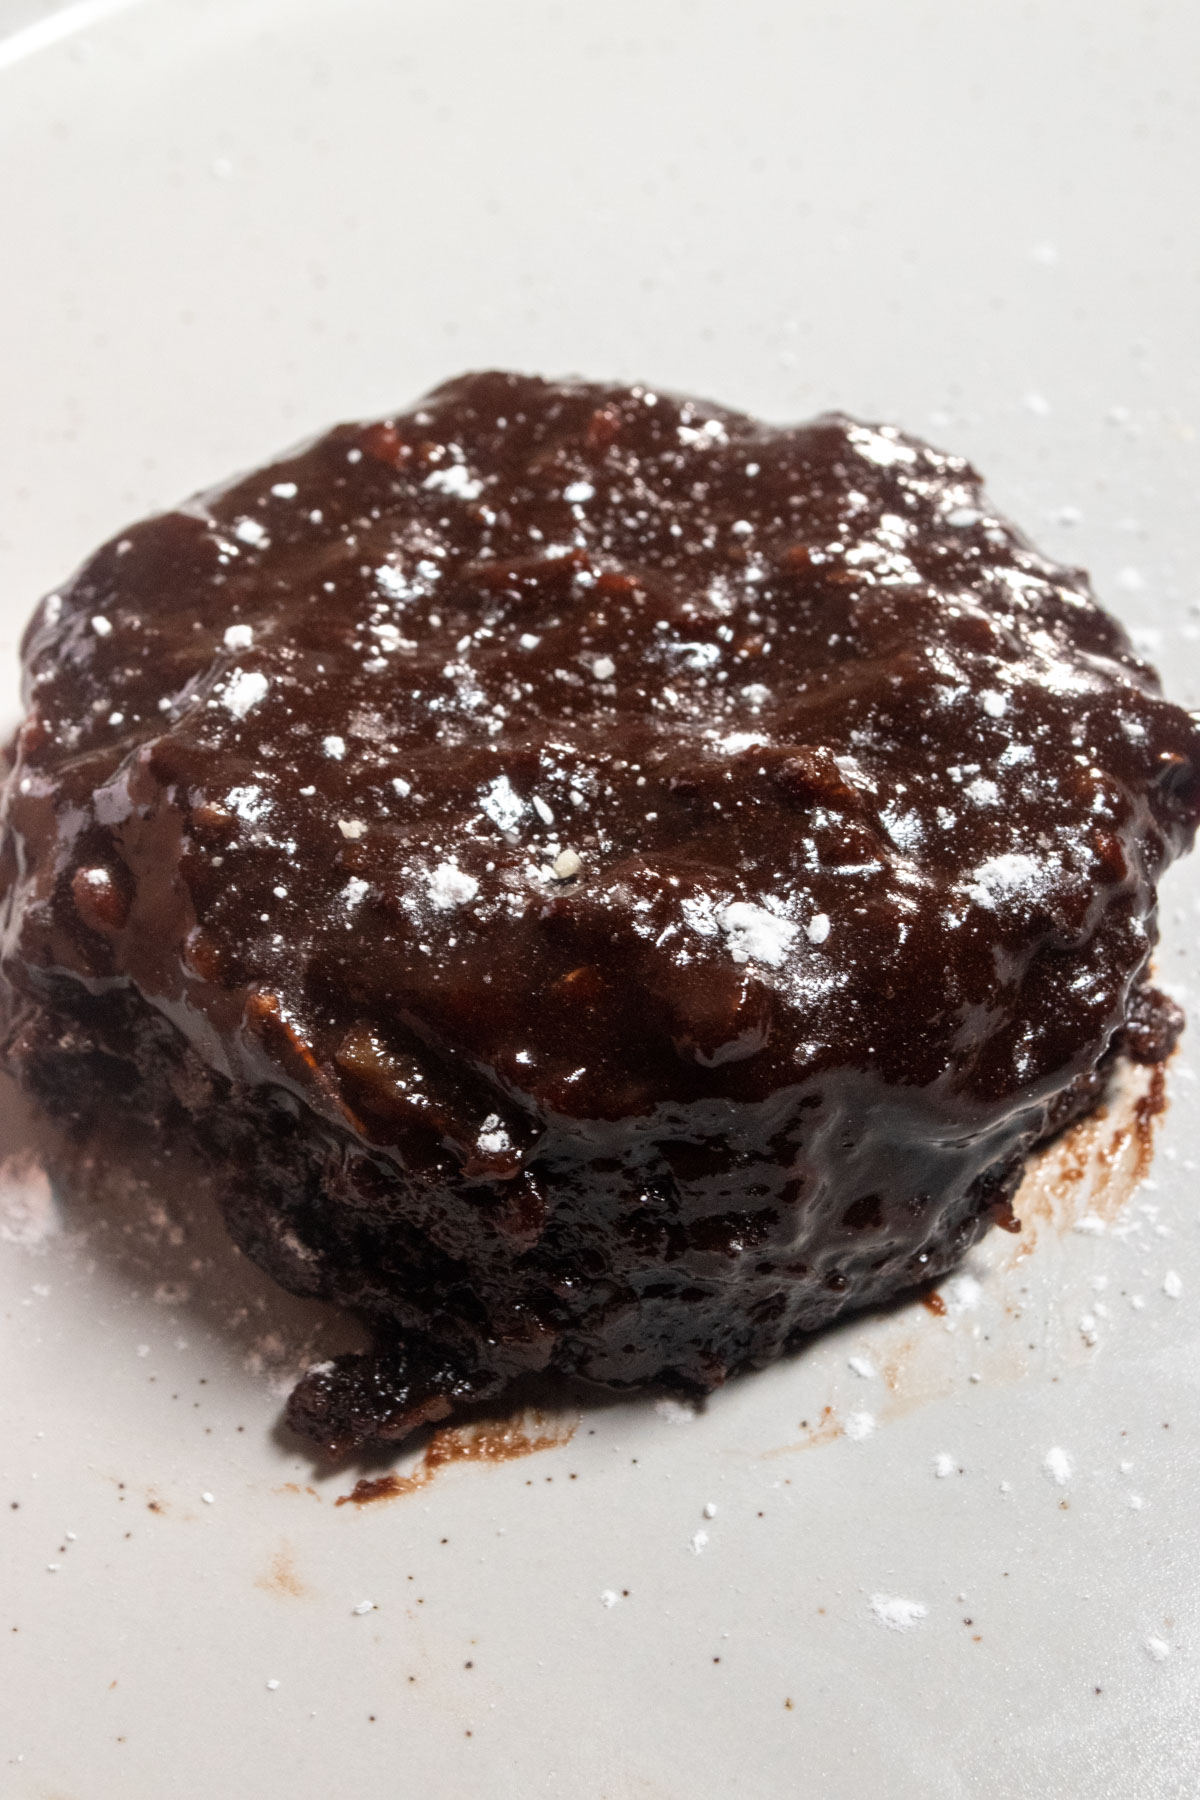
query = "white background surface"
{"x": 224, "y": 225}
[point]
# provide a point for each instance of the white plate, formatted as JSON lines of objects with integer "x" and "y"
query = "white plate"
{"x": 226, "y": 223}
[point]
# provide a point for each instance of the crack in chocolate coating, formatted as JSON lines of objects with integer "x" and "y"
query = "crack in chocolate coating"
{"x": 608, "y": 883}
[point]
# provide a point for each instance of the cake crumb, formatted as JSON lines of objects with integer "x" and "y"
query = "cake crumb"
{"x": 567, "y": 865}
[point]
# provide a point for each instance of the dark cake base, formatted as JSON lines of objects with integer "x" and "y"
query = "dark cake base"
{"x": 327, "y": 1217}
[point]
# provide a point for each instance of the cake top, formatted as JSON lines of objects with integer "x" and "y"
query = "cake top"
{"x": 560, "y": 749}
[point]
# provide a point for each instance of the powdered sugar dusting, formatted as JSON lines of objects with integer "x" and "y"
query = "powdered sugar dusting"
{"x": 456, "y": 481}
{"x": 675, "y": 1412}
{"x": 896, "y": 1613}
{"x": 1003, "y": 877}
{"x": 817, "y": 929}
{"x": 450, "y": 886}
{"x": 244, "y": 690}
{"x": 28, "y": 1211}
{"x": 1057, "y": 1465}
{"x": 754, "y": 934}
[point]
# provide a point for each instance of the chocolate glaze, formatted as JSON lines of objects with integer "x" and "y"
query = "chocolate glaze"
{"x": 611, "y": 883}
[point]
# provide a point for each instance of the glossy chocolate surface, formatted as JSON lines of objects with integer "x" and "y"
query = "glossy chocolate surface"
{"x": 687, "y": 854}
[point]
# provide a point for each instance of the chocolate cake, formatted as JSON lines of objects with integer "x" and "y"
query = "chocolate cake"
{"x": 608, "y": 885}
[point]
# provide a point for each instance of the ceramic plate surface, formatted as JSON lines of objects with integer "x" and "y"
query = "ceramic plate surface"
{"x": 934, "y": 1555}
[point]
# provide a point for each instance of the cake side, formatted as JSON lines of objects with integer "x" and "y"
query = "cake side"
{"x": 639, "y": 1281}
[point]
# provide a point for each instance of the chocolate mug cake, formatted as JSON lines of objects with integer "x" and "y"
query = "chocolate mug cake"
{"x": 607, "y": 884}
